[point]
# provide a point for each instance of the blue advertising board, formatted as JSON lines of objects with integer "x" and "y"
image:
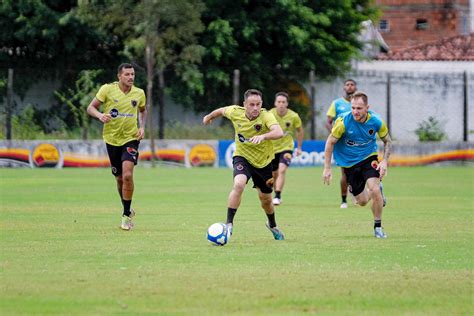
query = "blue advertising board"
{"x": 312, "y": 154}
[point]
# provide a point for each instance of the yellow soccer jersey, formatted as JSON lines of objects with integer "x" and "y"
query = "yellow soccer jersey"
{"x": 289, "y": 123}
{"x": 123, "y": 108}
{"x": 258, "y": 155}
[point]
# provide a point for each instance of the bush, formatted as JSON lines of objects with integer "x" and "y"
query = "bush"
{"x": 430, "y": 130}
{"x": 24, "y": 125}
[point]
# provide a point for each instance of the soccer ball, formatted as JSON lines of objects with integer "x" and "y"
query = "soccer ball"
{"x": 217, "y": 234}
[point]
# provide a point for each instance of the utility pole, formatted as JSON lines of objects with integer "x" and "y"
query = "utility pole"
{"x": 9, "y": 105}
{"x": 312, "y": 83}
{"x": 236, "y": 87}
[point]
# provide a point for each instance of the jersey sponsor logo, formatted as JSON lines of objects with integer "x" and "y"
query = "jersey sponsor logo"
{"x": 115, "y": 113}
{"x": 242, "y": 138}
{"x": 134, "y": 103}
{"x": 258, "y": 127}
{"x": 352, "y": 143}
{"x": 132, "y": 151}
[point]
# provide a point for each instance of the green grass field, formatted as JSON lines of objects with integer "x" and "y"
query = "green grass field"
{"x": 62, "y": 251}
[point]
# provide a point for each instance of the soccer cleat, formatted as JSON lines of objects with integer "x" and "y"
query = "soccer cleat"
{"x": 276, "y": 201}
{"x": 383, "y": 196}
{"x": 127, "y": 223}
{"x": 343, "y": 205}
{"x": 230, "y": 228}
{"x": 277, "y": 234}
{"x": 379, "y": 233}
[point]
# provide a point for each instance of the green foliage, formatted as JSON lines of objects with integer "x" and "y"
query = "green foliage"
{"x": 159, "y": 35}
{"x": 24, "y": 125}
{"x": 46, "y": 40}
{"x": 79, "y": 98}
{"x": 273, "y": 44}
{"x": 430, "y": 130}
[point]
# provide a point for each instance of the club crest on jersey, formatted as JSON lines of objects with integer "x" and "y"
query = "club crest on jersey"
{"x": 132, "y": 151}
{"x": 134, "y": 103}
{"x": 371, "y": 132}
{"x": 114, "y": 112}
{"x": 288, "y": 124}
{"x": 258, "y": 127}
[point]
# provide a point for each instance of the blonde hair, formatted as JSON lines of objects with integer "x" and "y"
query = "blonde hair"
{"x": 360, "y": 95}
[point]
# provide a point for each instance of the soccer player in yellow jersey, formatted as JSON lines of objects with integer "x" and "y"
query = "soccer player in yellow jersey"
{"x": 255, "y": 128}
{"x": 290, "y": 123}
{"x": 124, "y": 116}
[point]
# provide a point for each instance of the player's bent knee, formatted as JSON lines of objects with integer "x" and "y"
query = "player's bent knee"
{"x": 127, "y": 177}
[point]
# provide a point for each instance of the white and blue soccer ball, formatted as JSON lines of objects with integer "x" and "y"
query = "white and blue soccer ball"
{"x": 218, "y": 234}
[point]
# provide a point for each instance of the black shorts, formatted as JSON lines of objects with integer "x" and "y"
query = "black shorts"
{"x": 119, "y": 154}
{"x": 283, "y": 157}
{"x": 262, "y": 177}
{"x": 358, "y": 174}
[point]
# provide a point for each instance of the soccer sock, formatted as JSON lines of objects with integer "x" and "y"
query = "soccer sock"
{"x": 230, "y": 214}
{"x": 271, "y": 220}
{"x": 126, "y": 207}
{"x": 344, "y": 198}
{"x": 278, "y": 194}
{"x": 377, "y": 223}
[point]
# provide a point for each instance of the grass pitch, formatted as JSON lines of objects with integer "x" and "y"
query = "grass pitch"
{"x": 62, "y": 251}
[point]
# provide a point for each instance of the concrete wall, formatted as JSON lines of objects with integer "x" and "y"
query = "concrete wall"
{"x": 417, "y": 92}
{"x": 197, "y": 153}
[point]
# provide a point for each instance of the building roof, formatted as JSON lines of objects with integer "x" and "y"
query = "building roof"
{"x": 460, "y": 48}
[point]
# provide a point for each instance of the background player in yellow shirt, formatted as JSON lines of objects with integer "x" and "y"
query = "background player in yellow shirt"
{"x": 254, "y": 129}
{"x": 290, "y": 123}
{"x": 336, "y": 109}
{"x": 124, "y": 116}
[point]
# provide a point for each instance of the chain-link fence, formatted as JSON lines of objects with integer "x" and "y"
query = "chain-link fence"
{"x": 408, "y": 101}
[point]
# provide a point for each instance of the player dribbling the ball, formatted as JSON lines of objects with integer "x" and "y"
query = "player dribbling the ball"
{"x": 255, "y": 128}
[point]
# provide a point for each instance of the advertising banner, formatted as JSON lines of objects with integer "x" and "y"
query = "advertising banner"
{"x": 312, "y": 154}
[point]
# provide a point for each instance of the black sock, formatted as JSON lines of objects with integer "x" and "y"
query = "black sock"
{"x": 126, "y": 207}
{"x": 271, "y": 220}
{"x": 344, "y": 198}
{"x": 377, "y": 223}
{"x": 278, "y": 194}
{"x": 230, "y": 215}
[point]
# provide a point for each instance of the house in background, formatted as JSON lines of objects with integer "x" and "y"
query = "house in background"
{"x": 407, "y": 23}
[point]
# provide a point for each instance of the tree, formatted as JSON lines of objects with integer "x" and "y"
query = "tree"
{"x": 78, "y": 99}
{"x": 273, "y": 43}
{"x": 45, "y": 39}
{"x": 161, "y": 33}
